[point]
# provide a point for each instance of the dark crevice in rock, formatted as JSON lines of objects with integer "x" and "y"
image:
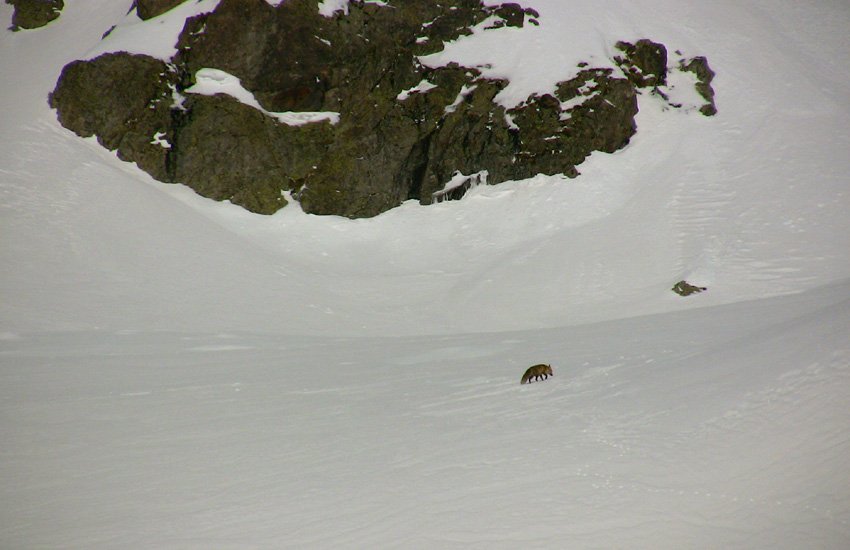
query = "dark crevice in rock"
{"x": 459, "y": 187}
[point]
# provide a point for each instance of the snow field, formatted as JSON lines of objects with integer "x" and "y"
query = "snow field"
{"x": 693, "y": 429}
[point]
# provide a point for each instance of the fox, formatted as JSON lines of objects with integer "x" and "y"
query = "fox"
{"x": 536, "y": 372}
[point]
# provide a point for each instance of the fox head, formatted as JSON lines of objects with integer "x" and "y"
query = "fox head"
{"x": 548, "y": 370}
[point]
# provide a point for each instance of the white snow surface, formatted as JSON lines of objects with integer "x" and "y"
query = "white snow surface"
{"x": 180, "y": 373}
{"x": 156, "y": 37}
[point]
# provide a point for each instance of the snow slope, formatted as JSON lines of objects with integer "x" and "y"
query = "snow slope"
{"x": 714, "y": 428}
{"x": 178, "y": 373}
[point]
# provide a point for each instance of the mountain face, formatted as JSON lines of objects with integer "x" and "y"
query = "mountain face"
{"x": 399, "y": 130}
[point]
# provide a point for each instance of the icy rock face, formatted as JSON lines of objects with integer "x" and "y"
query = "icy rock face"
{"x": 32, "y": 14}
{"x": 402, "y": 131}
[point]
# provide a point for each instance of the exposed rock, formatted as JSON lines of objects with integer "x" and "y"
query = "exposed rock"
{"x": 221, "y": 148}
{"x": 603, "y": 120}
{"x": 147, "y": 9}
{"x": 699, "y": 66}
{"x": 229, "y": 151}
{"x": 275, "y": 54}
{"x": 457, "y": 187}
{"x": 683, "y": 288}
{"x": 645, "y": 62}
{"x": 403, "y": 132}
{"x": 513, "y": 15}
{"x": 125, "y": 100}
{"x": 32, "y": 14}
{"x": 471, "y": 135}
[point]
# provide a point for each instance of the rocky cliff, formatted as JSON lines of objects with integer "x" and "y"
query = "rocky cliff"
{"x": 400, "y": 130}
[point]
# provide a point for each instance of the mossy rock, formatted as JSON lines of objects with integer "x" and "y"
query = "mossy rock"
{"x": 644, "y": 62}
{"x": 148, "y": 9}
{"x": 123, "y": 99}
{"x": 683, "y": 288}
{"x": 390, "y": 145}
{"x": 33, "y": 14}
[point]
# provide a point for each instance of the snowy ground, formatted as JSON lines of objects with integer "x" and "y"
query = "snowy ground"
{"x": 700, "y": 429}
{"x": 177, "y": 373}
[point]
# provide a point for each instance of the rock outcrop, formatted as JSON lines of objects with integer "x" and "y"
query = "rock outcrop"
{"x": 403, "y": 130}
{"x": 124, "y": 100}
{"x": 32, "y": 14}
{"x": 684, "y": 288}
{"x": 699, "y": 66}
{"x": 148, "y": 9}
{"x": 644, "y": 62}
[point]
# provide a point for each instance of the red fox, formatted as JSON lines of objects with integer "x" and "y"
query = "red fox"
{"x": 536, "y": 372}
